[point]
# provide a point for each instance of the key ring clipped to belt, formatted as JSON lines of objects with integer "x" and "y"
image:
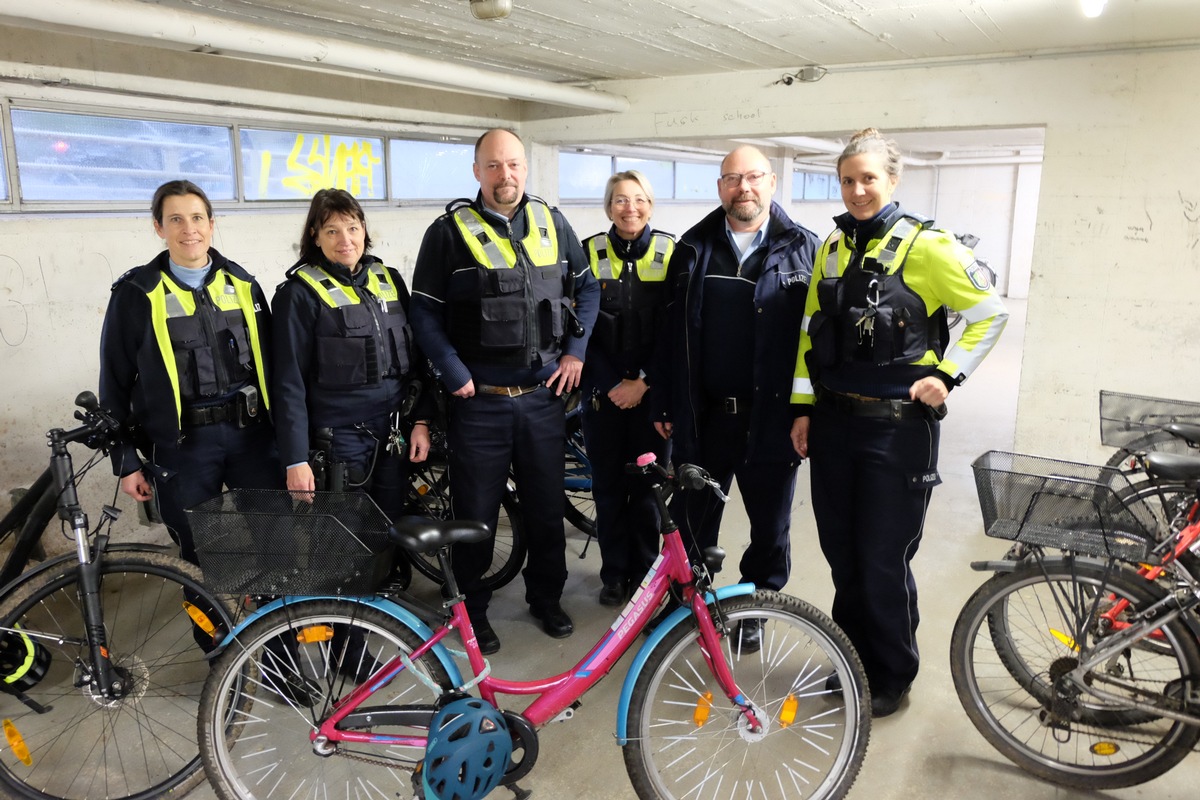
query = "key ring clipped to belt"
{"x": 873, "y": 293}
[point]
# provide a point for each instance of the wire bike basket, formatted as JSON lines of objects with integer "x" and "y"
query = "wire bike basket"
{"x": 1127, "y": 419}
{"x": 1064, "y": 505}
{"x": 254, "y": 541}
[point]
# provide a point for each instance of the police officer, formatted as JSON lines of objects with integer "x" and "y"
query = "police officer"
{"x": 345, "y": 361}
{"x": 492, "y": 310}
{"x": 729, "y": 411}
{"x": 183, "y": 365}
{"x": 631, "y": 263}
{"x": 876, "y": 359}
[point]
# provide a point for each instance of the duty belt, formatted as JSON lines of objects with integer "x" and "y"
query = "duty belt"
{"x": 210, "y": 415}
{"x": 731, "y": 405}
{"x": 508, "y": 391}
{"x": 876, "y": 407}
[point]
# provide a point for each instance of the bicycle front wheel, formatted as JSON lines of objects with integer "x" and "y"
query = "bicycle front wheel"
{"x": 686, "y": 740}
{"x": 1016, "y": 696}
{"x": 271, "y": 688}
{"x": 81, "y": 745}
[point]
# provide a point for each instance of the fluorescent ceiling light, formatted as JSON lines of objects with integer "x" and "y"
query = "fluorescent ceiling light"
{"x": 1092, "y": 8}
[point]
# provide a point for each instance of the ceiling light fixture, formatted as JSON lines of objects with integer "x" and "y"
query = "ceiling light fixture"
{"x": 809, "y": 74}
{"x": 491, "y": 9}
{"x": 1092, "y": 8}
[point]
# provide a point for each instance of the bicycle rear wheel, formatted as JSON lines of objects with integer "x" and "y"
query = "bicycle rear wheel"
{"x": 687, "y": 741}
{"x": 82, "y": 746}
{"x": 1049, "y": 728}
{"x": 430, "y": 497}
{"x": 270, "y": 688}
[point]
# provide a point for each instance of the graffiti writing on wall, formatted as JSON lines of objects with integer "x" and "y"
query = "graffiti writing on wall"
{"x": 316, "y": 162}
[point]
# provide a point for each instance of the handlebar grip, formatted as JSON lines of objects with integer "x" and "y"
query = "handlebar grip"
{"x": 87, "y": 400}
{"x": 691, "y": 477}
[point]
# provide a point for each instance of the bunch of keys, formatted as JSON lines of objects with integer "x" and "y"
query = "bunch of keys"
{"x": 866, "y": 323}
{"x": 395, "y": 439}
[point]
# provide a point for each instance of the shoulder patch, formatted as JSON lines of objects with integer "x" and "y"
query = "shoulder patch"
{"x": 980, "y": 275}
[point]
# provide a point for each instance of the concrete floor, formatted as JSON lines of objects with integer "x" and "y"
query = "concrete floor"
{"x": 929, "y": 748}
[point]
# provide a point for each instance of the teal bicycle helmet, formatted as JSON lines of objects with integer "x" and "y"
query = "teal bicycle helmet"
{"x": 468, "y": 751}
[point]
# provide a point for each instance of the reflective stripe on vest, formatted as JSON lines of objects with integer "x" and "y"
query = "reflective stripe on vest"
{"x": 169, "y": 300}
{"x": 894, "y": 248}
{"x": 495, "y": 251}
{"x": 336, "y": 294}
{"x": 651, "y": 267}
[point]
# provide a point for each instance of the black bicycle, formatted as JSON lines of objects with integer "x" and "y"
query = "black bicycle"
{"x": 102, "y": 650}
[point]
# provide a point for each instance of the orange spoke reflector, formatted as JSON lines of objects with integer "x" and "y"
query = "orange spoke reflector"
{"x": 199, "y": 617}
{"x": 1104, "y": 749}
{"x": 703, "y": 707}
{"x": 423, "y": 489}
{"x": 787, "y": 712}
{"x": 16, "y": 743}
{"x": 314, "y": 634}
{"x": 1067, "y": 640}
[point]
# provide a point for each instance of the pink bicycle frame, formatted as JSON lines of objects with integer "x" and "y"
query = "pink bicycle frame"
{"x": 558, "y": 692}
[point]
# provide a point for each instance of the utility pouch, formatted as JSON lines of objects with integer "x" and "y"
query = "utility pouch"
{"x": 247, "y": 406}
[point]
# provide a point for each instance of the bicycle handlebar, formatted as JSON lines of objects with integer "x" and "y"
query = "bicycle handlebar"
{"x": 99, "y": 429}
{"x": 688, "y": 477}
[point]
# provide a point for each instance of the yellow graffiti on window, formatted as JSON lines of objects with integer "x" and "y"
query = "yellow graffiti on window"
{"x": 348, "y": 165}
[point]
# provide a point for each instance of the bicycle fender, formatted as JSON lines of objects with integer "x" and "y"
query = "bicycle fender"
{"x": 660, "y": 633}
{"x": 398, "y": 612}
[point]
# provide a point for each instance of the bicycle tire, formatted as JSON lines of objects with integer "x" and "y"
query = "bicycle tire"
{"x": 432, "y": 499}
{"x": 1049, "y": 613}
{"x": 579, "y": 507}
{"x": 142, "y": 746}
{"x": 670, "y": 754}
{"x": 1155, "y": 441}
{"x": 262, "y": 700}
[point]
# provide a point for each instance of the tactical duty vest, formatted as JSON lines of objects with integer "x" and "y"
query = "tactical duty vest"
{"x": 867, "y": 313}
{"x": 516, "y": 314}
{"x": 208, "y": 338}
{"x": 358, "y": 343}
{"x": 631, "y": 303}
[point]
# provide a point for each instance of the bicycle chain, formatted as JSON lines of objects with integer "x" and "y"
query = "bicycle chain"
{"x": 376, "y": 761}
{"x": 1161, "y": 700}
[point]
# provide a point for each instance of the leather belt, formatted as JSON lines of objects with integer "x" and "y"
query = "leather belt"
{"x": 875, "y": 407}
{"x": 731, "y": 405}
{"x": 508, "y": 391}
{"x": 210, "y": 415}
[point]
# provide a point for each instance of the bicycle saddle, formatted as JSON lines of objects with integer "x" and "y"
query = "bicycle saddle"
{"x": 1187, "y": 431}
{"x": 427, "y": 535}
{"x": 1174, "y": 467}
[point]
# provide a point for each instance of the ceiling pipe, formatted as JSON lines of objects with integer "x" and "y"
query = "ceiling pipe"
{"x": 157, "y": 26}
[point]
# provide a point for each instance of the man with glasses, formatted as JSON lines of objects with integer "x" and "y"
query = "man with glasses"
{"x": 492, "y": 308}
{"x": 739, "y": 314}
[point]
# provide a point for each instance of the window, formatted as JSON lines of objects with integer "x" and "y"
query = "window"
{"x": 432, "y": 170}
{"x": 581, "y": 176}
{"x": 815, "y": 186}
{"x": 660, "y": 173}
{"x": 696, "y": 181}
{"x": 64, "y": 157}
{"x": 292, "y": 165}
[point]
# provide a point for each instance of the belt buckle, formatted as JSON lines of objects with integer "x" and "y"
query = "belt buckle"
{"x": 731, "y": 405}
{"x": 897, "y": 407}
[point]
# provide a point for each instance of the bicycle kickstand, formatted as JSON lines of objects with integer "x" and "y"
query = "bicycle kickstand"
{"x": 521, "y": 794}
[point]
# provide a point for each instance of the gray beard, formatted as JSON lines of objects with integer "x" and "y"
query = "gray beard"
{"x": 742, "y": 214}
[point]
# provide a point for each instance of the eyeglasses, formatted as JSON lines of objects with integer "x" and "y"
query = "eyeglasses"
{"x": 732, "y": 180}
{"x": 638, "y": 202}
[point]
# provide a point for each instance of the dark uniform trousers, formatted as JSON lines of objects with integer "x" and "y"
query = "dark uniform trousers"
{"x": 363, "y": 449}
{"x": 869, "y": 501}
{"x": 209, "y": 457}
{"x": 767, "y": 489}
{"x": 627, "y": 520}
{"x": 486, "y": 434}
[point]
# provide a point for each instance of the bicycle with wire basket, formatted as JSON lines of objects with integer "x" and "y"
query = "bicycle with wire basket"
{"x": 318, "y": 695}
{"x": 102, "y": 650}
{"x": 1083, "y": 668}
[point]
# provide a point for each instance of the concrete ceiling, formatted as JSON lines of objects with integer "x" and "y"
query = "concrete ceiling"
{"x": 564, "y": 51}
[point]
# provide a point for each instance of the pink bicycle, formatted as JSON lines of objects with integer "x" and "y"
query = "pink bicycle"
{"x": 734, "y": 693}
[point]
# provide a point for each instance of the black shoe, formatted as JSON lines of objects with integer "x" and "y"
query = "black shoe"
{"x": 833, "y": 684}
{"x": 669, "y": 608}
{"x": 359, "y": 666}
{"x": 400, "y": 578}
{"x": 884, "y": 704}
{"x": 613, "y": 594}
{"x": 555, "y": 621}
{"x": 746, "y": 637}
{"x": 485, "y": 636}
{"x": 296, "y": 689}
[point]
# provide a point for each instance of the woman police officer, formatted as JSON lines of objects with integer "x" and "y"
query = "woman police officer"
{"x": 631, "y": 263}
{"x": 874, "y": 367}
{"x": 183, "y": 358}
